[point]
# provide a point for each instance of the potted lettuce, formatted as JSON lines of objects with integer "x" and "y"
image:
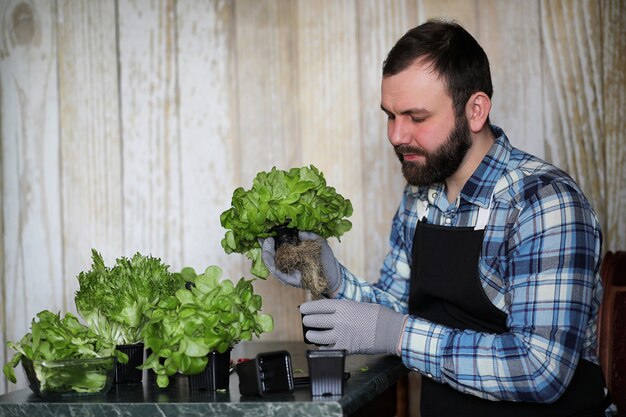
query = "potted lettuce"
{"x": 298, "y": 200}
{"x": 193, "y": 332}
{"x": 63, "y": 357}
{"x": 114, "y": 302}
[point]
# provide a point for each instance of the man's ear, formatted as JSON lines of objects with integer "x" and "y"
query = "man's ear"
{"x": 477, "y": 110}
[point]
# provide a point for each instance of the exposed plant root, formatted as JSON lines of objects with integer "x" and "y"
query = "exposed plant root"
{"x": 306, "y": 258}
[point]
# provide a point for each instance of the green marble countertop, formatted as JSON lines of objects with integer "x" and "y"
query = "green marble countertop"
{"x": 369, "y": 377}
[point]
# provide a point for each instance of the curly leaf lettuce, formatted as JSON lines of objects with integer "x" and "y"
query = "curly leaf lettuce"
{"x": 298, "y": 198}
{"x": 113, "y": 301}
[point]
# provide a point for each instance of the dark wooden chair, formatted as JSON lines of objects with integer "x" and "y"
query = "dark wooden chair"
{"x": 612, "y": 327}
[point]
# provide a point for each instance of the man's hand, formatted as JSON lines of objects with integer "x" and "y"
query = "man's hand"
{"x": 329, "y": 263}
{"x": 356, "y": 327}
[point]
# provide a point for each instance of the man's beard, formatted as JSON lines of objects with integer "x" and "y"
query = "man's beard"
{"x": 440, "y": 164}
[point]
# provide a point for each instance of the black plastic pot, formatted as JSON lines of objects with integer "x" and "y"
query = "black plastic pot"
{"x": 215, "y": 376}
{"x": 126, "y": 373}
{"x": 326, "y": 371}
{"x": 268, "y": 372}
{"x": 285, "y": 234}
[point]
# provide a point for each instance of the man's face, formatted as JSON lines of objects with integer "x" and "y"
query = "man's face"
{"x": 427, "y": 137}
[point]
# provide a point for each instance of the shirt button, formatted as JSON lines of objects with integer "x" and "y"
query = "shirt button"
{"x": 448, "y": 220}
{"x": 434, "y": 195}
{"x": 429, "y": 375}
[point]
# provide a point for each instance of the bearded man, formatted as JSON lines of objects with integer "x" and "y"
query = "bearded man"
{"x": 491, "y": 286}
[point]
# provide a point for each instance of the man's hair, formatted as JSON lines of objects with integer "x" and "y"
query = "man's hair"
{"x": 452, "y": 53}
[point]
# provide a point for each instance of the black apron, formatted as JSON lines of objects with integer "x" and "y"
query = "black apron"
{"x": 446, "y": 289}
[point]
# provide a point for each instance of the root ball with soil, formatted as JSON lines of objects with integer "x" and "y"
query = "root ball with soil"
{"x": 306, "y": 258}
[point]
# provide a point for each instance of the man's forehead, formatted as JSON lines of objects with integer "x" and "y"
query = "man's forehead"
{"x": 417, "y": 86}
{"x": 421, "y": 64}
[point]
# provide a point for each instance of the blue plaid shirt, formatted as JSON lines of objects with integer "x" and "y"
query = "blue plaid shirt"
{"x": 539, "y": 264}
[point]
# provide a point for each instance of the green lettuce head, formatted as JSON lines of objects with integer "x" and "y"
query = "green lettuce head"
{"x": 114, "y": 301}
{"x": 298, "y": 198}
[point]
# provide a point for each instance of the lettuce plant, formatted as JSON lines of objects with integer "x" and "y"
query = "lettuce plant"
{"x": 113, "y": 301}
{"x": 207, "y": 315}
{"x": 298, "y": 198}
{"x": 53, "y": 338}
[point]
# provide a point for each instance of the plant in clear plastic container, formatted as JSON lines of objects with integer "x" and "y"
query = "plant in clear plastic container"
{"x": 61, "y": 357}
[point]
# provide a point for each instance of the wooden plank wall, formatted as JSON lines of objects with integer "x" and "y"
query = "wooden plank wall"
{"x": 127, "y": 124}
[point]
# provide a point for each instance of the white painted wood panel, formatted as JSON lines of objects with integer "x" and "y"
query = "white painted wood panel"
{"x": 33, "y": 269}
{"x": 209, "y": 144}
{"x": 267, "y": 80}
{"x": 151, "y": 150}
{"x": 91, "y": 169}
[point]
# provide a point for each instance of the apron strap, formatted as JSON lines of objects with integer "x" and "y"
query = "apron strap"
{"x": 421, "y": 209}
{"x": 483, "y": 217}
{"x": 484, "y": 212}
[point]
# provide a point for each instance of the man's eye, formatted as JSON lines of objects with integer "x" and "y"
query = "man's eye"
{"x": 417, "y": 119}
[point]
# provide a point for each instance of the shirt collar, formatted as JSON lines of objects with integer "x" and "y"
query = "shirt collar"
{"x": 479, "y": 187}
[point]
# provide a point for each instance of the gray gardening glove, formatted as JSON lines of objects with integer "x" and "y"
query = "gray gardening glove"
{"x": 353, "y": 326}
{"x": 329, "y": 263}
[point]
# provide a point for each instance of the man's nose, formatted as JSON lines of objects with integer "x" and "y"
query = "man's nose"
{"x": 398, "y": 132}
